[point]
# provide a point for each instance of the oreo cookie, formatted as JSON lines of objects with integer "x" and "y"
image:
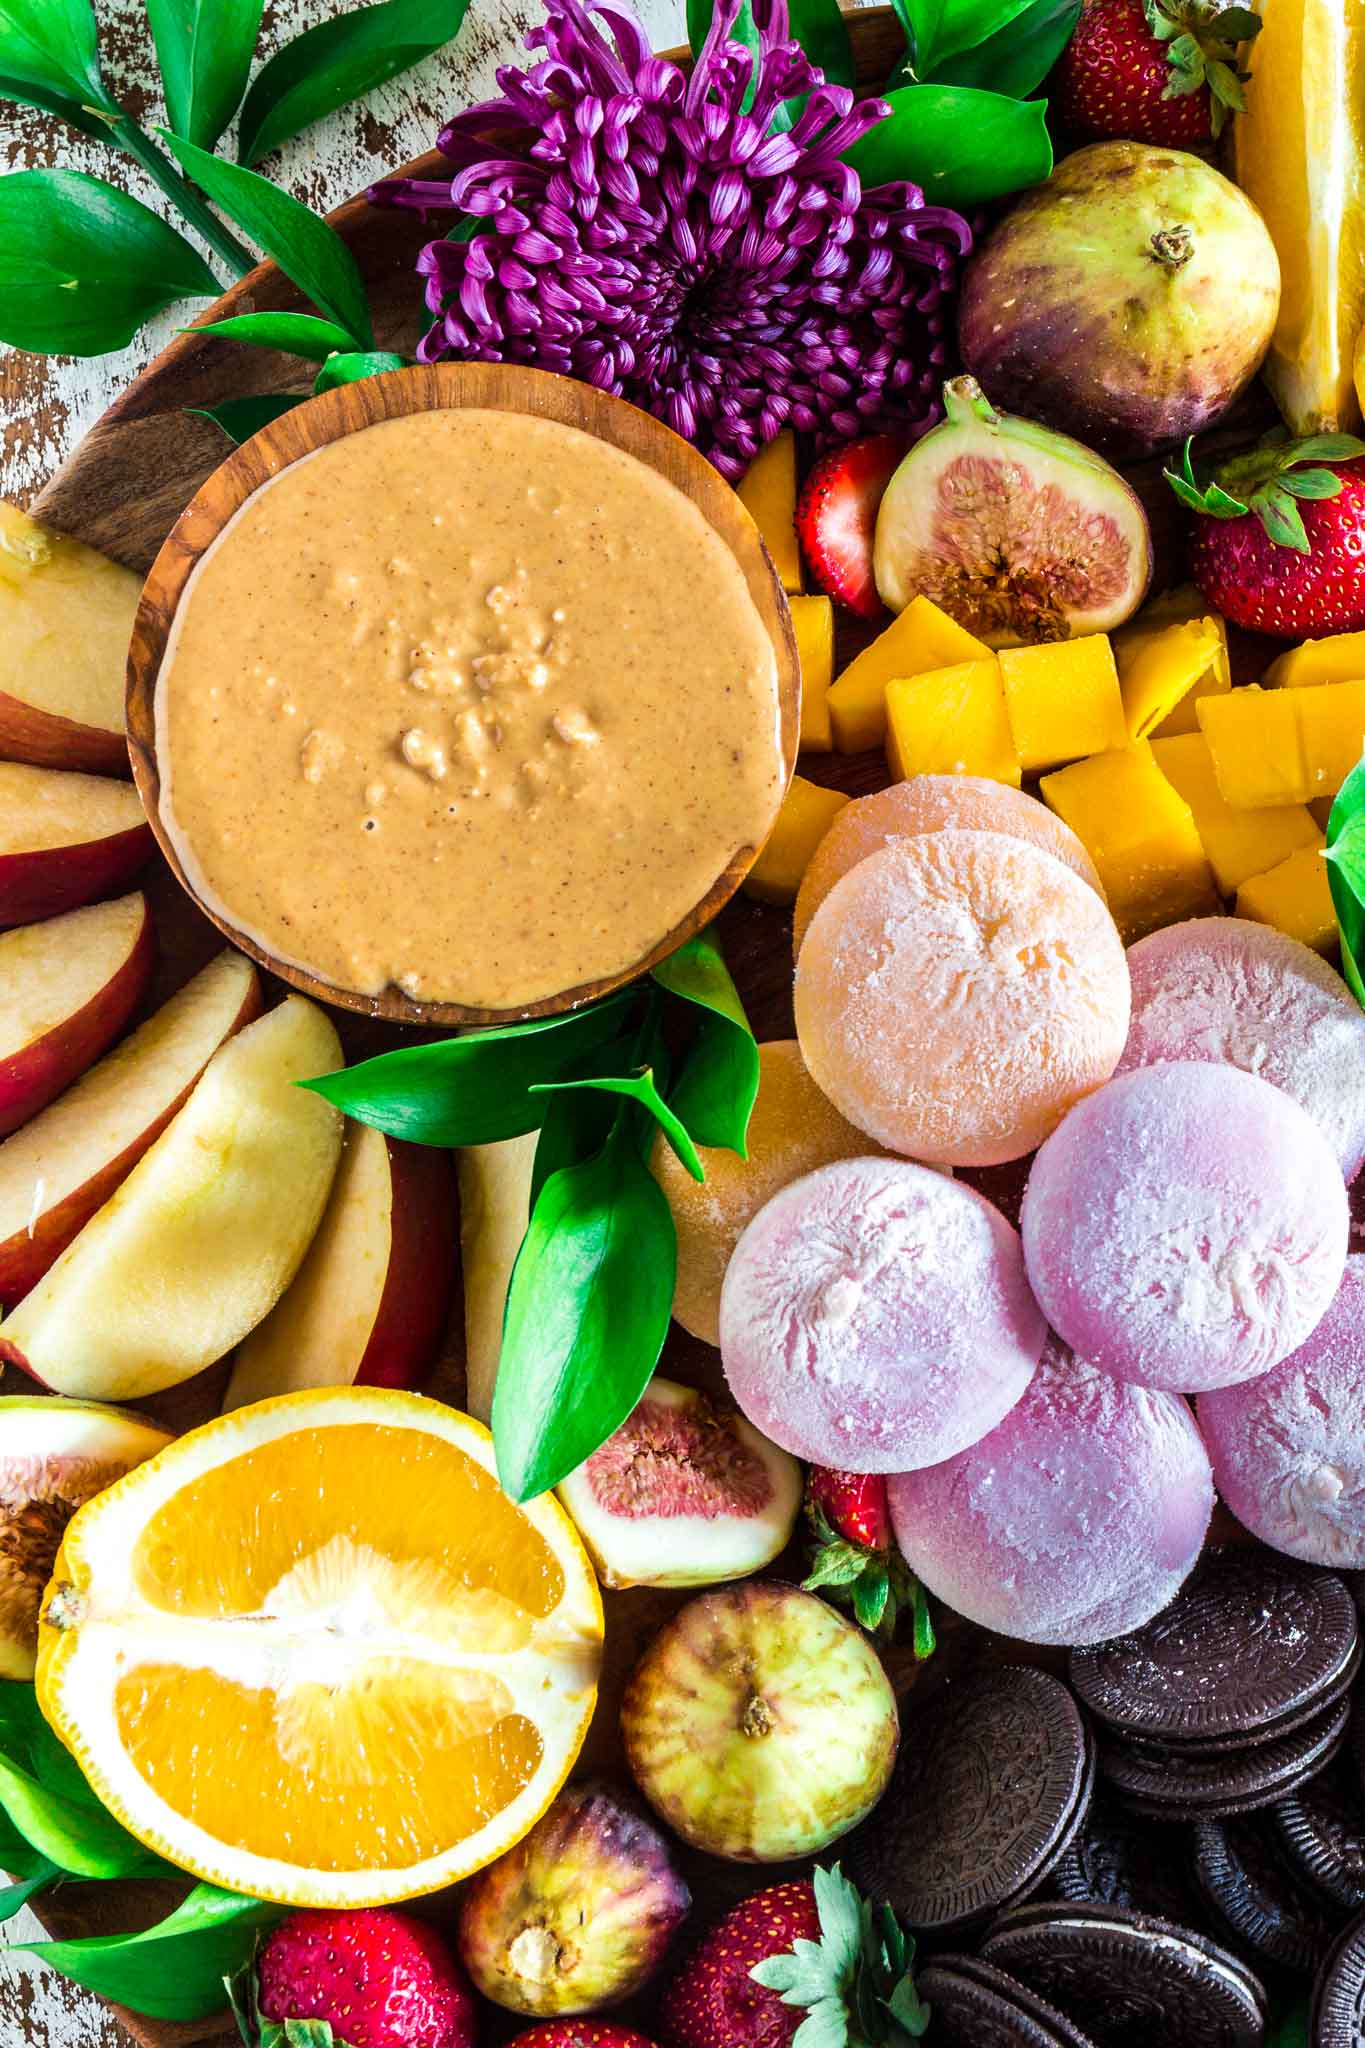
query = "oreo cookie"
{"x": 1242, "y": 1871}
{"x": 1120, "y": 1859}
{"x": 1162, "y": 1782}
{"x": 975, "y": 2006}
{"x": 1248, "y": 1645}
{"x": 1337, "y": 2011}
{"x": 989, "y": 1794}
{"x": 1322, "y": 1830}
{"x": 1129, "y": 1980}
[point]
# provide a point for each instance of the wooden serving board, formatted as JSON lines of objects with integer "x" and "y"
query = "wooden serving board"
{"x": 121, "y": 492}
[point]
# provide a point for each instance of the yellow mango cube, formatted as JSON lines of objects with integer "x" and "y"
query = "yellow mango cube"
{"x": 1295, "y": 898}
{"x": 1340, "y": 658}
{"x": 951, "y": 721}
{"x": 767, "y": 491}
{"x": 1284, "y": 746}
{"x": 920, "y": 639}
{"x": 1141, "y": 835}
{"x": 806, "y": 815}
{"x": 1160, "y": 666}
{"x": 1063, "y": 701}
{"x": 1238, "y": 843}
{"x": 813, "y": 625}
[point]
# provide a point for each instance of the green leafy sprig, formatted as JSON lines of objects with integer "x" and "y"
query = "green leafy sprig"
{"x": 1203, "y": 40}
{"x": 1345, "y": 857}
{"x": 82, "y": 265}
{"x": 591, "y": 1293}
{"x": 877, "y": 1587}
{"x": 855, "y": 1984}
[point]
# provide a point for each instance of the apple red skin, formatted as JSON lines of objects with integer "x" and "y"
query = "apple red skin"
{"x": 52, "y": 879}
{"x": 38, "y": 1072}
{"x": 47, "y": 740}
{"x": 24, "y": 1258}
{"x": 419, "y": 1283}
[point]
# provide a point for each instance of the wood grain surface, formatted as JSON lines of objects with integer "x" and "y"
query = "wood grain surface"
{"x": 493, "y": 387}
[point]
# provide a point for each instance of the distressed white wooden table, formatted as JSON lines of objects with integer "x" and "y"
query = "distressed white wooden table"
{"x": 46, "y": 404}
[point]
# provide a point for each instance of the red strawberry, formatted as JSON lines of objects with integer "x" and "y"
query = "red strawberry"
{"x": 1160, "y": 71}
{"x": 815, "y": 1938}
{"x": 581, "y": 2034}
{"x": 1279, "y": 545}
{"x": 856, "y": 1563}
{"x": 837, "y": 518}
{"x": 378, "y": 1979}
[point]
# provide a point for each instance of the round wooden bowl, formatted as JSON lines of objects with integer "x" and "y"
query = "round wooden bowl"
{"x": 347, "y": 410}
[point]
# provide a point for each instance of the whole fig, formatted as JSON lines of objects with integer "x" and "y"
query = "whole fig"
{"x": 1127, "y": 301}
{"x": 579, "y": 1914}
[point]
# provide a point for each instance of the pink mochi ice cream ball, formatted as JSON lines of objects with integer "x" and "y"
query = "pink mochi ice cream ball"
{"x": 1288, "y": 1449}
{"x": 1076, "y": 1520}
{"x": 1186, "y": 1227}
{"x": 1225, "y": 989}
{"x": 875, "y": 1316}
{"x": 957, "y": 992}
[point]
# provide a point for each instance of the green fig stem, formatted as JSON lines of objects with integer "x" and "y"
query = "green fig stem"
{"x": 964, "y": 401}
{"x": 1173, "y": 247}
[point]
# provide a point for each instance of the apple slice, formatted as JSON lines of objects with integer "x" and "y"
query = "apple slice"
{"x": 64, "y": 840}
{"x": 66, "y": 616}
{"x": 56, "y": 1171}
{"x": 207, "y": 1231}
{"x": 368, "y": 1306}
{"x": 495, "y": 1201}
{"x": 67, "y": 988}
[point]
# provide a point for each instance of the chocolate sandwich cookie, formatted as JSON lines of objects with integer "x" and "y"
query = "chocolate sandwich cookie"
{"x": 985, "y": 1799}
{"x": 1165, "y": 1783}
{"x": 1322, "y": 1828}
{"x": 1250, "y": 1641}
{"x": 1128, "y": 1980}
{"x": 1243, "y": 1873}
{"x": 1287, "y": 1724}
{"x": 1121, "y": 1859}
{"x": 974, "y": 2006}
{"x": 1337, "y": 2009}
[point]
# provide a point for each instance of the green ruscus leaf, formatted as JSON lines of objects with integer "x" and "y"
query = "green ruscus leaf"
{"x": 240, "y": 418}
{"x": 294, "y": 334}
{"x": 175, "y": 1970}
{"x": 1018, "y": 56}
{"x": 959, "y": 145}
{"x": 204, "y": 49}
{"x": 470, "y": 1090}
{"x": 349, "y": 367}
{"x": 82, "y": 265}
{"x": 339, "y": 61}
{"x": 715, "y": 1089}
{"x": 306, "y": 248}
{"x": 588, "y": 1309}
{"x": 641, "y": 1088}
{"x": 51, "y": 1816}
{"x": 1345, "y": 856}
{"x": 49, "y": 59}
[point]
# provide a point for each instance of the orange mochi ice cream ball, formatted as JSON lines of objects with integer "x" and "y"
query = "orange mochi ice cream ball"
{"x": 793, "y": 1129}
{"x": 932, "y": 803}
{"x": 957, "y": 993}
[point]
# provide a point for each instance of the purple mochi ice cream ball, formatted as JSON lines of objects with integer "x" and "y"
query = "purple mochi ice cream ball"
{"x": 875, "y": 1316}
{"x": 1227, "y": 990}
{"x": 1288, "y": 1449}
{"x": 1077, "y": 1519}
{"x": 1185, "y": 1226}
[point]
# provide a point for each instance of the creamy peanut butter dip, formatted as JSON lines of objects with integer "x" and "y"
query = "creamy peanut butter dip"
{"x": 470, "y": 702}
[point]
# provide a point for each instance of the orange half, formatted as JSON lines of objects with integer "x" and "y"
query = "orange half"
{"x": 313, "y": 1652}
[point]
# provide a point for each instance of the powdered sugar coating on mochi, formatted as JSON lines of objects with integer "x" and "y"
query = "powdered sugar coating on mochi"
{"x": 957, "y": 992}
{"x": 932, "y": 803}
{"x": 1288, "y": 1449}
{"x": 875, "y": 1317}
{"x": 1225, "y": 989}
{"x": 1077, "y": 1519}
{"x": 1186, "y": 1227}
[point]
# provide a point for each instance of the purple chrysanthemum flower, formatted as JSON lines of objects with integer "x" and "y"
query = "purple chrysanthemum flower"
{"x": 644, "y": 232}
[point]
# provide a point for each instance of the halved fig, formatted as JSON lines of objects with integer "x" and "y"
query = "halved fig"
{"x": 686, "y": 1493}
{"x": 54, "y": 1455}
{"x": 1019, "y": 533}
